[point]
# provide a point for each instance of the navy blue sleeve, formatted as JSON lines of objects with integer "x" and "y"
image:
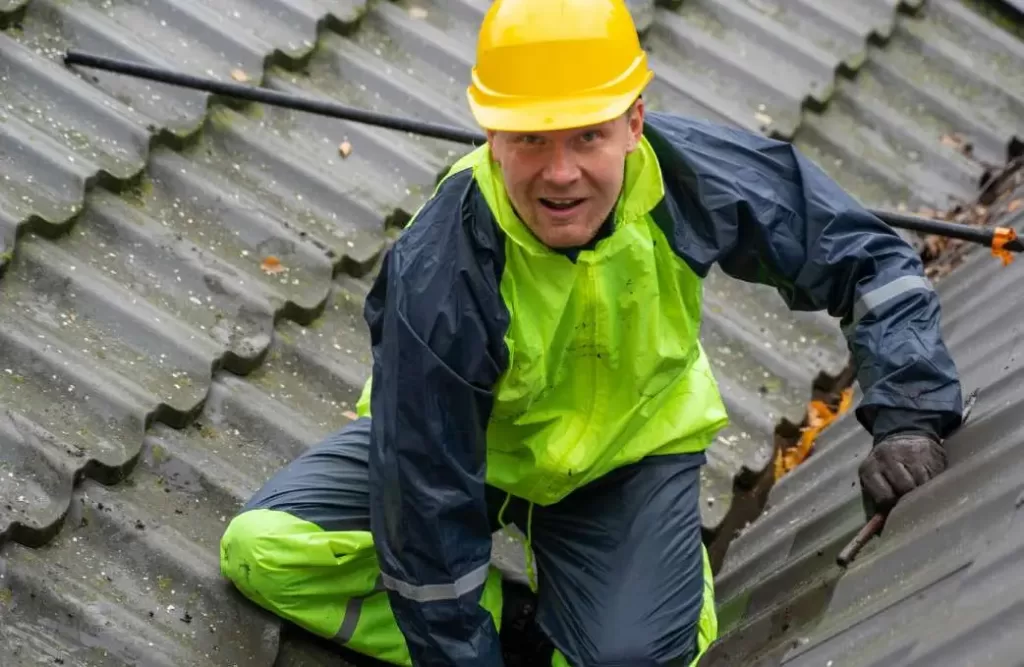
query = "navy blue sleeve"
{"x": 767, "y": 214}
{"x": 436, "y": 323}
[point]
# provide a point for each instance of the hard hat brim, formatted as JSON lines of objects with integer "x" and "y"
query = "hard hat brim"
{"x": 547, "y": 115}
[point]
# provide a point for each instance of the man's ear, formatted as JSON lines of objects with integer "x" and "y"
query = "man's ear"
{"x": 635, "y": 118}
{"x": 491, "y": 136}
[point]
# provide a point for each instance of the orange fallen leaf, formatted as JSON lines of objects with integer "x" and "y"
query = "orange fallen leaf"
{"x": 345, "y": 149}
{"x": 348, "y": 414}
{"x": 239, "y": 75}
{"x": 819, "y": 416}
{"x": 272, "y": 266}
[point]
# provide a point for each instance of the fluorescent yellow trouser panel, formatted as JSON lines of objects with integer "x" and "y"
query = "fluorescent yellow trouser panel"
{"x": 325, "y": 582}
{"x": 328, "y": 583}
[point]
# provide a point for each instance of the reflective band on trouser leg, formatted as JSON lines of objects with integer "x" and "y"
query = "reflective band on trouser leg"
{"x": 707, "y": 627}
{"x": 353, "y": 611}
{"x": 327, "y": 582}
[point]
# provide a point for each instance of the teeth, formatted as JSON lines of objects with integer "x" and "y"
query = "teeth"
{"x": 560, "y": 204}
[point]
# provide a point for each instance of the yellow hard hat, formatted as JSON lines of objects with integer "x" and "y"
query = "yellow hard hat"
{"x": 555, "y": 64}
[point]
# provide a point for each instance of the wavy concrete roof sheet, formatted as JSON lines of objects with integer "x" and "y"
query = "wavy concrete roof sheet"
{"x": 152, "y": 375}
{"x": 941, "y": 586}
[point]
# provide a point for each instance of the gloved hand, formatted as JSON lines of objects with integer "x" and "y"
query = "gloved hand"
{"x": 899, "y": 464}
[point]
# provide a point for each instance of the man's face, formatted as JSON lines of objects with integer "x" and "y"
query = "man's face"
{"x": 563, "y": 184}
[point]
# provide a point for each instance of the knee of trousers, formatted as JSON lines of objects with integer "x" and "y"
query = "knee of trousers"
{"x": 296, "y": 569}
{"x": 621, "y": 649}
{"x": 327, "y": 582}
{"x": 628, "y": 649}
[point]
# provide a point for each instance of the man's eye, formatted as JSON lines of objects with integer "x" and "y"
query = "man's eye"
{"x": 587, "y": 137}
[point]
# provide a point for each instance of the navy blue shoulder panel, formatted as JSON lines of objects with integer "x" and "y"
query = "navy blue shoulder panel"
{"x": 722, "y": 186}
{"x": 437, "y": 323}
{"x": 453, "y": 250}
{"x": 767, "y": 214}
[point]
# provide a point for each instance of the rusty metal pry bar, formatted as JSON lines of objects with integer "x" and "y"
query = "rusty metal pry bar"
{"x": 877, "y": 522}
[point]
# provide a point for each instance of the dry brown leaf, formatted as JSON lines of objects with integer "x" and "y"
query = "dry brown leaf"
{"x": 272, "y": 266}
{"x": 1014, "y": 205}
{"x": 935, "y": 245}
{"x": 348, "y": 414}
{"x": 952, "y": 140}
{"x": 345, "y": 149}
{"x": 958, "y": 142}
{"x": 239, "y": 75}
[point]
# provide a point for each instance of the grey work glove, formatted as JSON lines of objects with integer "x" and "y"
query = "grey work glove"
{"x": 898, "y": 465}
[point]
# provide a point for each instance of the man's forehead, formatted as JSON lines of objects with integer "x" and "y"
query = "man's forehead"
{"x": 568, "y": 132}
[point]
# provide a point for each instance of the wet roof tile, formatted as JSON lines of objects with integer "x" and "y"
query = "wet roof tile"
{"x": 947, "y": 551}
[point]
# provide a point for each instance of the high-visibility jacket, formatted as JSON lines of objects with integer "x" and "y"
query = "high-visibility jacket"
{"x": 498, "y": 360}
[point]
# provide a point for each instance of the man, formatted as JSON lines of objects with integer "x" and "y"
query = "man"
{"x": 536, "y": 361}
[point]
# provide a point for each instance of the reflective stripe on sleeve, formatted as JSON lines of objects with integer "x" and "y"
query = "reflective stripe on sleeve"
{"x": 887, "y": 292}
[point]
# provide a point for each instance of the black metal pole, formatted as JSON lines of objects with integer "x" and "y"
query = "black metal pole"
{"x": 273, "y": 97}
{"x": 981, "y": 235}
{"x": 322, "y": 107}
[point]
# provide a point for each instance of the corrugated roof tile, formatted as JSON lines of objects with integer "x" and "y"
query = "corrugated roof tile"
{"x": 944, "y": 549}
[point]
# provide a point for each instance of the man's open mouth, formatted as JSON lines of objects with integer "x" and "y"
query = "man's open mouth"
{"x": 560, "y": 204}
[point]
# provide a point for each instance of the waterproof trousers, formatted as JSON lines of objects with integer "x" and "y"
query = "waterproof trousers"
{"x": 623, "y": 577}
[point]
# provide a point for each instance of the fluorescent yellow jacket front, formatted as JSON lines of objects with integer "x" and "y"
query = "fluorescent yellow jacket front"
{"x": 499, "y": 361}
{"x": 601, "y": 363}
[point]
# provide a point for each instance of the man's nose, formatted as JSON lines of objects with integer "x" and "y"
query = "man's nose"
{"x": 562, "y": 168}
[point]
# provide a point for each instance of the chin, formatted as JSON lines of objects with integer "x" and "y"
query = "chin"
{"x": 568, "y": 237}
